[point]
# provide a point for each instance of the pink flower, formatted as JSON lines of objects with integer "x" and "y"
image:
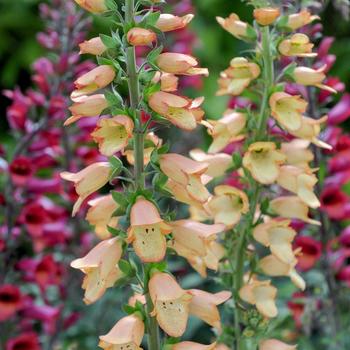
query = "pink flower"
{"x": 21, "y": 169}
{"x": 25, "y": 341}
{"x": 10, "y": 301}
{"x": 297, "y": 307}
{"x": 344, "y": 275}
{"x": 34, "y": 216}
{"x": 333, "y": 202}
{"x": 344, "y": 238}
{"x": 341, "y": 111}
{"x": 311, "y": 251}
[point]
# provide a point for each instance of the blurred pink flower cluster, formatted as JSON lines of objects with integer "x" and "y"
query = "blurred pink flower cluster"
{"x": 36, "y": 235}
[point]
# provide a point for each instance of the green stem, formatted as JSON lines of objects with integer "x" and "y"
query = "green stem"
{"x": 268, "y": 71}
{"x": 242, "y": 242}
{"x": 139, "y": 177}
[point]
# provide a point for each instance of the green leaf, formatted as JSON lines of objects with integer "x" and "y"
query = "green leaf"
{"x": 109, "y": 41}
{"x": 152, "y": 56}
{"x": 114, "y": 100}
{"x": 128, "y": 309}
{"x": 111, "y": 5}
{"x": 236, "y": 160}
{"x": 115, "y": 231}
{"x": 126, "y": 268}
{"x": 104, "y": 60}
{"x": 120, "y": 198}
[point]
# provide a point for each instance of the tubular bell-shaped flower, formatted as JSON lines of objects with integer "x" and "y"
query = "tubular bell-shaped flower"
{"x": 297, "y": 45}
{"x": 197, "y": 243}
{"x": 262, "y": 295}
{"x": 94, "y": 46}
{"x": 287, "y": 109}
{"x": 297, "y": 153}
{"x": 86, "y": 106}
{"x": 218, "y": 163}
{"x": 204, "y": 305}
{"x": 263, "y": 161}
{"x": 94, "y": 6}
{"x": 141, "y": 36}
{"x": 88, "y": 181}
{"x": 171, "y": 304}
{"x": 226, "y": 130}
{"x": 227, "y": 205}
{"x": 147, "y": 231}
{"x": 292, "y": 207}
{"x": 239, "y": 29}
{"x": 278, "y": 236}
{"x": 126, "y": 334}
{"x": 178, "y": 63}
{"x": 180, "y": 111}
{"x": 94, "y": 80}
{"x": 298, "y": 181}
{"x": 266, "y": 15}
{"x": 113, "y": 134}
{"x": 168, "y": 22}
{"x": 237, "y": 77}
{"x": 100, "y": 215}
{"x": 300, "y": 19}
{"x": 100, "y": 267}
{"x": 273, "y": 266}
{"x": 187, "y": 173}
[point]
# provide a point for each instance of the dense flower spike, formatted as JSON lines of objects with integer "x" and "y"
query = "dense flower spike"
{"x": 147, "y": 231}
{"x": 100, "y": 267}
{"x": 171, "y": 303}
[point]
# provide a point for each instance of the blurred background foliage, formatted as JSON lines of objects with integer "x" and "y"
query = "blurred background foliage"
{"x": 19, "y": 24}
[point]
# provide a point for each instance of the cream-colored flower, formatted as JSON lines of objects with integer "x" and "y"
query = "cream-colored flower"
{"x": 297, "y": 153}
{"x": 227, "y": 205}
{"x": 237, "y": 77}
{"x": 273, "y": 266}
{"x": 300, "y": 19}
{"x": 168, "y": 22}
{"x": 263, "y": 161}
{"x": 239, "y": 29}
{"x": 297, "y": 45}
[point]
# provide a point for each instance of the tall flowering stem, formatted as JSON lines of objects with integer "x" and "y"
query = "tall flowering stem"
{"x": 269, "y": 193}
{"x": 136, "y": 233}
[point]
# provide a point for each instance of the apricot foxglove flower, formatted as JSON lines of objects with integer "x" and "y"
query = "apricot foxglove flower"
{"x": 218, "y": 163}
{"x": 94, "y": 6}
{"x": 100, "y": 215}
{"x": 297, "y": 45}
{"x": 278, "y": 236}
{"x": 168, "y": 22}
{"x": 181, "y": 64}
{"x": 92, "y": 81}
{"x": 171, "y": 304}
{"x": 226, "y": 130}
{"x": 287, "y": 109}
{"x": 94, "y": 46}
{"x": 100, "y": 268}
{"x": 266, "y": 15}
{"x": 126, "y": 334}
{"x": 168, "y": 82}
{"x": 300, "y": 19}
{"x": 261, "y": 294}
{"x": 297, "y": 153}
{"x": 263, "y": 161}
{"x": 311, "y": 77}
{"x": 190, "y": 345}
{"x": 204, "y": 305}
{"x": 113, "y": 134}
{"x": 300, "y": 182}
{"x": 186, "y": 172}
{"x": 88, "y": 181}
{"x": 180, "y": 111}
{"x": 141, "y": 37}
{"x": 309, "y": 130}
{"x": 227, "y": 205}
{"x": 87, "y": 106}
{"x": 147, "y": 231}
{"x": 237, "y": 77}
{"x": 273, "y": 266}
{"x": 197, "y": 243}
{"x": 152, "y": 141}
{"x": 236, "y": 27}
{"x": 292, "y": 207}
